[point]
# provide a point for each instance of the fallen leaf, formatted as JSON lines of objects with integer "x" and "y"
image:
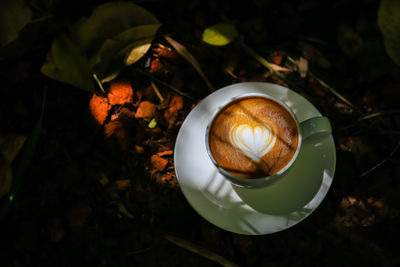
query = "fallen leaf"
{"x": 107, "y": 21}
{"x": 303, "y": 67}
{"x": 14, "y": 16}
{"x": 123, "y": 184}
{"x": 389, "y": 24}
{"x": 99, "y": 107}
{"x": 123, "y": 50}
{"x": 165, "y": 153}
{"x": 166, "y": 52}
{"x": 220, "y": 34}
{"x": 146, "y": 110}
{"x": 171, "y": 113}
{"x": 120, "y": 93}
{"x": 152, "y": 123}
{"x": 67, "y": 63}
{"x": 78, "y": 214}
{"x": 158, "y": 162}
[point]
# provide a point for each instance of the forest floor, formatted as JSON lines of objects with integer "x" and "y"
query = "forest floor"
{"x": 101, "y": 189}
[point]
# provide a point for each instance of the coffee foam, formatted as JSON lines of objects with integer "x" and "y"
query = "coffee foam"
{"x": 253, "y": 137}
{"x": 254, "y": 142}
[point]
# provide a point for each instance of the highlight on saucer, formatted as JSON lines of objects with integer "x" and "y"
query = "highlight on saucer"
{"x": 253, "y": 137}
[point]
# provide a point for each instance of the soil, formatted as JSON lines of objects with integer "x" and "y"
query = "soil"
{"x": 101, "y": 190}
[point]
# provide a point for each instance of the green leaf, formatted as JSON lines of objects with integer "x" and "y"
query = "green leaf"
{"x": 123, "y": 50}
{"x": 66, "y": 62}
{"x": 389, "y": 23}
{"x": 220, "y": 34}
{"x": 152, "y": 123}
{"x": 107, "y": 21}
{"x": 14, "y": 15}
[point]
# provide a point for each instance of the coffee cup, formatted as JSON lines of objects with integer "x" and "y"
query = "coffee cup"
{"x": 255, "y": 138}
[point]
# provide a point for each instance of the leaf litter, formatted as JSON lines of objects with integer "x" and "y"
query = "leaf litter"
{"x": 137, "y": 196}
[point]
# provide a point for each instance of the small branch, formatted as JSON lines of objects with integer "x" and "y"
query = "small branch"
{"x": 157, "y": 92}
{"x": 191, "y": 59}
{"x": 378, "y": 114}
{"x": 270, "y": 66}
{"x": 336, "y": 93}
{"x": 162, "y": 83}
{"x": 200, "y": 251}
{"x": 99, "y": 83}
{"x": 382, "y": 162}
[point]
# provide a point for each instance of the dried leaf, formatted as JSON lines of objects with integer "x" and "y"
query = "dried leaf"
{"x": 14, "y": 16}
{"x": 303, "y": 67}
{"x": 123, "y": 50}
{"x": 99, "y": 107}
{"x": 123, "y": 184}
{"x": 220, "y": 34}
{"x": 145, "y": 110}
{"x": 389, "y": 24}
{"x": 158, "y": 162}
{"x": 190, "y": 58}
{"x": 120, "y": 93}
{"x": 66, "y": 62}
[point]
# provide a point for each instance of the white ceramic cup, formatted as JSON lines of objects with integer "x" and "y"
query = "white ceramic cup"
{"x": 306, "y": 129}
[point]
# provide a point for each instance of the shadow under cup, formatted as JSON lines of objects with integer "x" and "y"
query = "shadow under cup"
{"x": 249, "y": 180}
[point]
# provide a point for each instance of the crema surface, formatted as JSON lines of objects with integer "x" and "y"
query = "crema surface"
{"x": 253, "y": 137}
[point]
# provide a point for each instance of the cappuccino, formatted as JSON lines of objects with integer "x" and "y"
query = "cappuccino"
{"x": 253, "y": 137}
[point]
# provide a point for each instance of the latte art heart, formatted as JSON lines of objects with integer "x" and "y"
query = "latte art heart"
{"x": 254, "y": 142}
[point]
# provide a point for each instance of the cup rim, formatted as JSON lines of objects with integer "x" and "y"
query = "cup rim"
{"x": 252, "y": 182}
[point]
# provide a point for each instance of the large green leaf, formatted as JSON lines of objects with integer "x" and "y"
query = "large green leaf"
{"x": 220, "y": 34}
{"x": 122, "y": 50}
{"x": 14, "y": 15}
{"x": 107, "y": 21}
{"x": 66, "y": 62}
{"x": 389, "y": 23}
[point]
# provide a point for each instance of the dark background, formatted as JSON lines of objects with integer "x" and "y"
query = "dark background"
{"x": 66, "y": 214}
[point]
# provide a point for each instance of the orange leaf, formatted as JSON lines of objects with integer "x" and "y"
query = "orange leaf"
{"x": 158, "y": 162}
{"x": 99, "y": 108}
{"x": 120, "y": 93}
{"x": 146, "y": 110}
{"x": 165, "y": 153}
{"x": 123, "y": 184}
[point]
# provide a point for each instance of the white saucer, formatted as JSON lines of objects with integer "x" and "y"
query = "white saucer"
{"x": 252, "y": 211}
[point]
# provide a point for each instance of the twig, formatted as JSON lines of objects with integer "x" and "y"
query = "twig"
{"x": 336, "y": 93}
{"x": 99, "y": 83}
{"x": 157, "y": 92}
{"x": 260, "y": 59}
{"x": 200, "y": 251}
{"x": 377, "y": 114}
{"x": 162, "y": 83}
{"x": 382, "y": 162}
{"x": 190, "y": 58}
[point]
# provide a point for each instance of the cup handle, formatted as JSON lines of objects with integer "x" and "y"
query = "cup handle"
{"x": 314, "y": 126}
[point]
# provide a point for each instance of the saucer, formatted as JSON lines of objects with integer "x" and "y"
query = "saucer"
{"x": 261, "y": 210}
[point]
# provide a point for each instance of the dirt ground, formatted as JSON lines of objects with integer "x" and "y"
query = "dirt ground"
{"x": 101, "y": 190}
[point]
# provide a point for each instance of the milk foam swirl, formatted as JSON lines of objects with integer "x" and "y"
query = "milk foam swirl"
{"x": 252, "y": 141}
